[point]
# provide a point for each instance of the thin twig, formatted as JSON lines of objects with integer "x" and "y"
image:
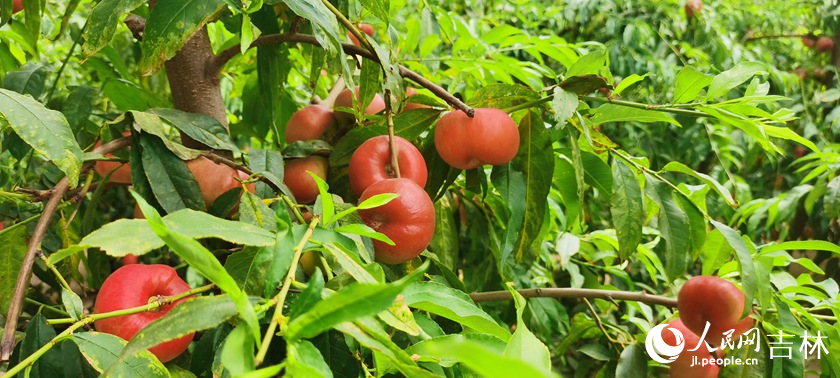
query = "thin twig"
{"x": 600, "y": 323}
{"x": 504, "y": 295}
{"x": 225, "y": 55}
{"x": 280, "y": 299}
{"x": 52, "y": 268}
{"x": 783, "y": 35}
{"x": 350, "y": 27}
{"x": 656, "y": 174}
{"x": 392, "y": 139}
{"x": 75, "y": 194}
{"x": 65, "y": 61}
{"x": 16, "y": 303}
{"x": 291, "y": 204}
{"x": 637, "y": 105}
{"x": 218, "y": 159}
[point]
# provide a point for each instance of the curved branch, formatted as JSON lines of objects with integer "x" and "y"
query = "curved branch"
{"x": 783, "y": 35}
{"x": 217, "y": 62}
{"x": 504, "y": 295}
{"x": 16, "y": 303}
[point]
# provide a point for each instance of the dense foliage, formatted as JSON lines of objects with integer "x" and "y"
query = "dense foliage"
{"x": 658, "y": 141}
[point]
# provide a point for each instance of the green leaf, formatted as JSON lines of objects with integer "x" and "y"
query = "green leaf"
{"x": 715, "y": 252}
{"x": 248, "y": 33}
{"x": 370, "y": 78}
{"x": 377, "y": 200}
{"x": 324, "y": 198}
{"x": 79, "y": 106}
{"x": 745, "y": 262}
{"x": 696, "y": 225}
{"x": 269, "y": 372}
{"x": 445, "y": 244}
{"x": 202, "y": 260}
{"x": 454, "y": 305}
{"x": 238, "y": 352}
{"x": 490, "y": 342}
{"x": 481, "y": 359}
{"x": 676, "y": 166}
{"x": 193, "y": 315}
{"x": 374, "y": 201}
{"x": 12, "y": 252}
{"x": 501, "y": 96}
{"x": 364, "y": 230}
{"x": 748, "y": 126}
{"x": 350, "y": 263}
{"x": 674, "y": 225}
{"x": 371, "y": 335}
{"x": 617, "y": 113}
{"x": 171, "y": 181}
{"x": 733, "y": 77}
{"x": 152, "y": 124}
{"x": 564, "y": 104}
{"x": 47, "y": 131}
{"x": 594, "y": 63}
{"x": 584, "y": 84}
{"x": 101, "y": 350}
{"x": 597, "y": 173}
{"x": 788, "y": 134}
{"x": 28, "y": 80}
{"x": 626, "y": 208}
{"x": 280, "y": 255}
{"x": 38, "y": 334}
{"x": 134, "y": 236}
{"x": 633, "y": 362}
{"x": 379, "y": 8}
{"x": 32, "y": 13}
{"x": 304, "y": 360}
{"x": 130, "y": 96}
{"x": 763, "y": 366}
{"x": 535, "y": 157}
{"x": 411, "y": 124}
{"x": 524, "y": 345}
{"x": 210, "y": 343}
{"x": 103, "y": 21}
{"x": 566, "y": 183}
{"x": 308, "y": 297}
{"x": 170, "y": 24}
{"x": 630, "y": 80}
{"x": 249, "y": 268}
{"x": 324, "y": 23}
{"x": 333, "y": 347}
{"x": 302, "y": 149}
{"x": 269, "y": 164}
{"x": 72, "y": 304}
{"x": 689, "y": 84}
{"x": 817, "y": 245}
{"x": 349, "y": 303}
{"x": 253, "y": 210}
{"x": 200, "y": 127}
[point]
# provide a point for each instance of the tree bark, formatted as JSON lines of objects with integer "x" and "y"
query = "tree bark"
{"x": 195, "y": 86}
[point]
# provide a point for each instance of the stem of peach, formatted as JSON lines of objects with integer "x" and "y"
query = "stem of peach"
{"x": 389, "y": 114}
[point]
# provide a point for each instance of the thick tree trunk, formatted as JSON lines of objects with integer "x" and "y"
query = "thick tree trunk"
{"x": 195, "y": 86}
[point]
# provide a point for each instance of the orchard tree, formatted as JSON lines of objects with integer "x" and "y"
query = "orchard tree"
{"x": 308, "y": 188}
